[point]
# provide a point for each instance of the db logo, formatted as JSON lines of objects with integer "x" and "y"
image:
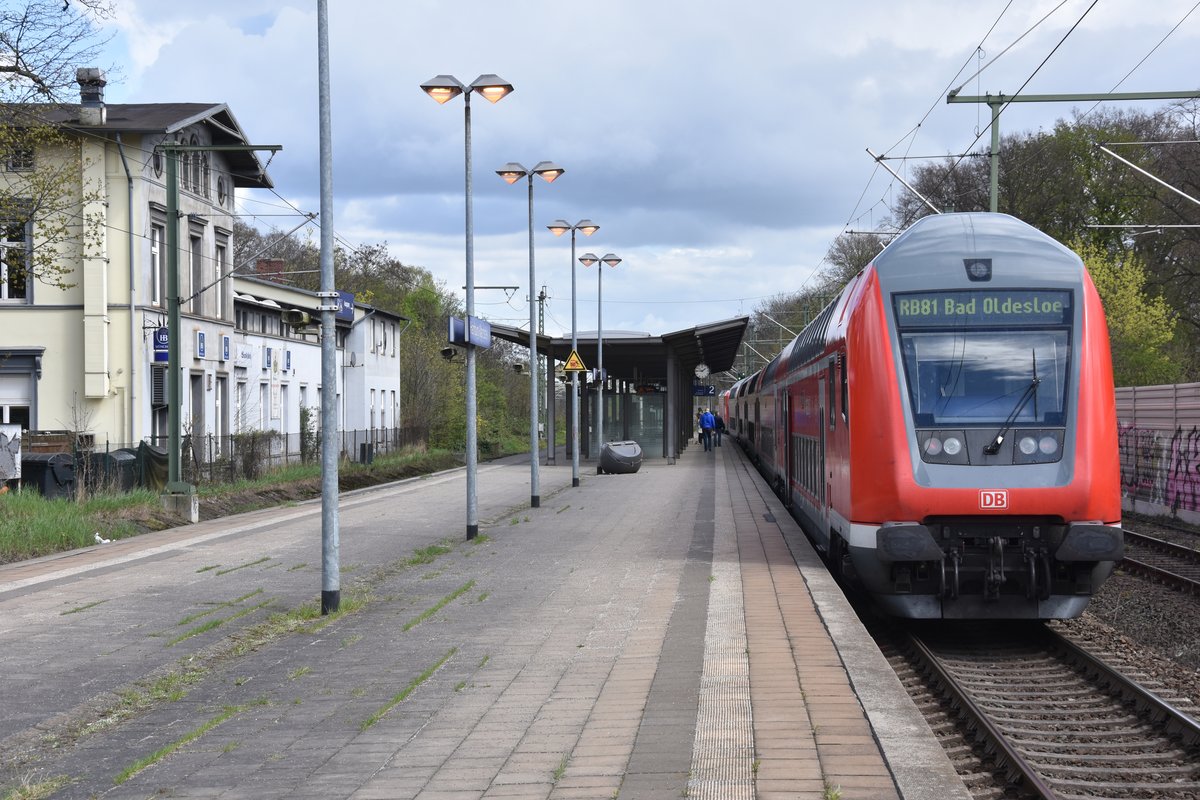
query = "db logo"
{"x": 993, "y": 499}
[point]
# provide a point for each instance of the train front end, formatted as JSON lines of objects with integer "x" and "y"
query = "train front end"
{"x": 1004, "y": 499}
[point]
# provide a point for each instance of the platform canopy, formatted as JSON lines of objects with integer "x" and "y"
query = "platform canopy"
{"x": 642, "y": 357}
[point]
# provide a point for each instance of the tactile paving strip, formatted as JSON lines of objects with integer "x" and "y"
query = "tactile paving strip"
{"x": 723, "y": 750}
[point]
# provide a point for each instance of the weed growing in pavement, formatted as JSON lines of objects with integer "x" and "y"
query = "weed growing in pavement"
{"x": 438, "y": 606}
{"x": 229, "y": 748}
{"x": 403, "y": 694}
{"x": 483, "y": 662}
{"x": 244, "y": 566}
{"x": 353, "y": 638}
{"x": 191, "y": 736}
{"x": 831, "y": 792}
{"x": 561, "y": 769}
{"x": 458, "y": 687}
{"x": 207, "y": 568}
{"x": 28, "y": 789}
{"x": 299, "y": 672}
{"x": 215, "y": 623}
{"x": 297, "y": 566}
{"x": 77, "y": 609}
{"x": 426, "y": 555}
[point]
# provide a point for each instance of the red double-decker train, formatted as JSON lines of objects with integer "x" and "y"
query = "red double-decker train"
{"x": 945, "y": 429}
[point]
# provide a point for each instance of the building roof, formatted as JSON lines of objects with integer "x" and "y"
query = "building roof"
{"x": 247, "y": 170}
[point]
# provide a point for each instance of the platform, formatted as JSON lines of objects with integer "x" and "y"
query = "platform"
{"x": 661, "y": 634}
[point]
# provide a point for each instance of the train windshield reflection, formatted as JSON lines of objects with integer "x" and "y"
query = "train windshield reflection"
{"x": 977, "y": 377}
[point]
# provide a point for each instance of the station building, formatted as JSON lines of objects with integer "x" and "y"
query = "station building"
{"x": 87, "y": 354}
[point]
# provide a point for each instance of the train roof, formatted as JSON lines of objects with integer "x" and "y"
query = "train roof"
{"x": 936, "y": 245}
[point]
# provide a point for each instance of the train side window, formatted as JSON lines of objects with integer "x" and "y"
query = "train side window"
{"x": 845, "y": 389}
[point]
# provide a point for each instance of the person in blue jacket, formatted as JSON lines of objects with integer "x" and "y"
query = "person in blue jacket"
{"x": 707, "y": 423}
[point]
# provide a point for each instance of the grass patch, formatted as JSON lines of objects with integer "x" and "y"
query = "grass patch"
{"x": 32, "y": 525}
{"x": 298, "y": 673}
{"x": 403, "y": 694}
{"x": 297, "y": 566}
{"x": 207, "y": 568}
{"x": 77, "y": 609}
{"x": 217, "y": 607}
{"x": 438, "y": 606}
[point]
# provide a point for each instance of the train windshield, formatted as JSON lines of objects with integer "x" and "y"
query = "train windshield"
{"x": 986, "y": 357}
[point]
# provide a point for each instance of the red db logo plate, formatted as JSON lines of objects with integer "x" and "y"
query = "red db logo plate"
{"x": 993, "y": 499}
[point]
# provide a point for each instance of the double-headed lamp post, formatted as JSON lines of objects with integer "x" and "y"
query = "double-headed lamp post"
{"x": 558, "y": 228}
{"x": 511, "y": 173}
{"x": 587, "y": 259}
{"x": 443, "y": 88}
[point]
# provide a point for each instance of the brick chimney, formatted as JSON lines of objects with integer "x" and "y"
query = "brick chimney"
{"x": 91, "y": 82}
{"x": 270, "y": 269}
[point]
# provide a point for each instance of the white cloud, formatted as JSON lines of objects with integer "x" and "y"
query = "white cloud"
{"x": 720, "y": 147}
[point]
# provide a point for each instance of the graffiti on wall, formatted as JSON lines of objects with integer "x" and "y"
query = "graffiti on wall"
{"x": 1161, "y": 467}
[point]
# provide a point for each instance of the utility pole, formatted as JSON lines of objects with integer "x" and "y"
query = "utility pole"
{"x": 997, "y": 102}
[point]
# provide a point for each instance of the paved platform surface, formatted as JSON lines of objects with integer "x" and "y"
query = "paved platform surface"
{"x": 657, "y": 635}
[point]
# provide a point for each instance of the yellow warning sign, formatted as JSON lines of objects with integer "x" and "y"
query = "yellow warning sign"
{"x": 574, "y": 363}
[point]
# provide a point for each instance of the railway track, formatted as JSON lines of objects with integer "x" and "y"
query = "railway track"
{"x": 1173, "y": 564}
{"x": 1053, "y": 719}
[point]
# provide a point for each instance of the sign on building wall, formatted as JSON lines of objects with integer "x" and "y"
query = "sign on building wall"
{"x": 162, "y": 343}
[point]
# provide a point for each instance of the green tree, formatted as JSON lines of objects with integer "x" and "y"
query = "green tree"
{"x": 1140, "y": 327}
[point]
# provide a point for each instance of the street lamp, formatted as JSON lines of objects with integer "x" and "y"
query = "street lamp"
{"x": 511, "y": 173}
{"x": 558, "y": 228}
{"x": 587, "y": 259}
{"x": 443, "y": 88}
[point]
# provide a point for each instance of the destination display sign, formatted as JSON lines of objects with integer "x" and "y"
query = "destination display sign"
{"x": 1005, "y": 307}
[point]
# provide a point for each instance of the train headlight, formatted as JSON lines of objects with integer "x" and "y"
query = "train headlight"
{"x": 1038, "y": 446}
{"x": 942, "y": 447}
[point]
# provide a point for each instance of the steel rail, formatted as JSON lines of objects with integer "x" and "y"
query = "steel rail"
{"x": 1162, "y": 712}
{"x": 1006, "y": 754}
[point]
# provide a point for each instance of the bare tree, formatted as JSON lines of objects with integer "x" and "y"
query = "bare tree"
{"x": 42, "y": 43}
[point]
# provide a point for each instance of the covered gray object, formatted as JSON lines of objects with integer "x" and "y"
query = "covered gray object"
{"x": 619, "y": 457}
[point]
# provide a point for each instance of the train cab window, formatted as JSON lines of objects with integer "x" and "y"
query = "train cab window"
{"x": 1002, "y": 357}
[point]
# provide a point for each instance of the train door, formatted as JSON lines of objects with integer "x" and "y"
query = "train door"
{"x": 824, "y": 402}
{"x": 788, "y": 454}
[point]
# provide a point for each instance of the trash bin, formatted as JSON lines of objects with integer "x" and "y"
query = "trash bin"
{"x": 366, "y": 453}
{"x": 115, "y": 470}
{"x": 52, "y": 474}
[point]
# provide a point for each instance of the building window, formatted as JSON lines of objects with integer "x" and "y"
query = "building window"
{"x": 197, "y": 274}
{"x": 223, "y": 283}
{"x": 19, "y": 158}
{"x": 14, "y": 261}
{"x": 206, "y": 175}
{"x": 185, "y": 163}
{"x": 158, "y": 266}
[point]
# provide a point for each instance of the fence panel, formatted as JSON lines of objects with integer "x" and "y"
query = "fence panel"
{"x": 1159, "y": 430}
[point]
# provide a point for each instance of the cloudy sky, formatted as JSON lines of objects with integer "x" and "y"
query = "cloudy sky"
{"x": 720, "y": 146}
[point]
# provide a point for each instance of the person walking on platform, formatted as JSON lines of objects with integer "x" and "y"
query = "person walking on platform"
{"x": 718, "y": 428}
{"x": 707, "y": 423}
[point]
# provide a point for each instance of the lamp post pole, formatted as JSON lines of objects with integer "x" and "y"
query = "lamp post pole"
{"x": 443, "y": 88}
{"x": 558, "y": 227}
{"x": 587, "y": 259}
{"x": 511, "y": 173}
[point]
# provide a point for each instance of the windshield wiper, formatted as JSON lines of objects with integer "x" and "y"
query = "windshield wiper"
{"x": 993, "y": 447}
